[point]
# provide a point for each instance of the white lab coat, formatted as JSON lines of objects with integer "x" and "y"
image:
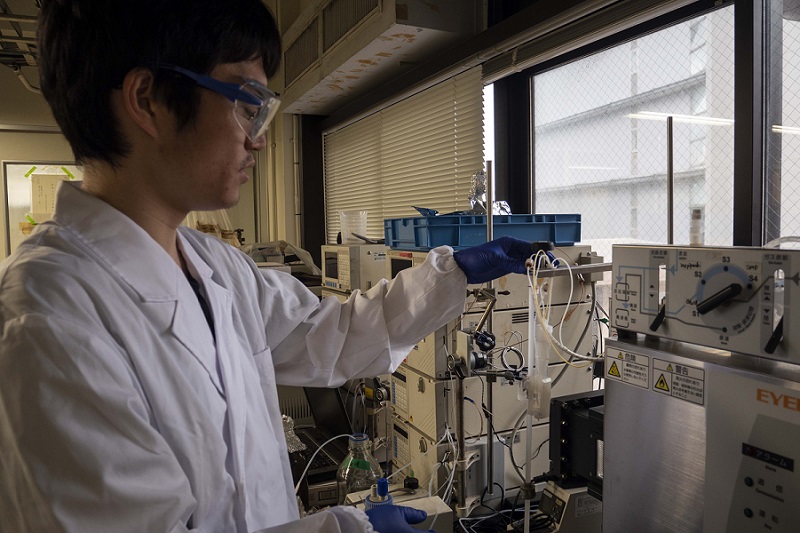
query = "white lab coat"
{"x": 129, "y": 415}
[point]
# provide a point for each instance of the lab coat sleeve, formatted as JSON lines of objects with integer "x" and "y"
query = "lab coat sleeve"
{"x": 325, "y": 343}
{"x": 83, "y": 431}
{"x": 338, "y": 519}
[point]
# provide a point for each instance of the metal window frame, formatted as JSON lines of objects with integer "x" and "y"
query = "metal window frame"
{"x": 754, "y": 196}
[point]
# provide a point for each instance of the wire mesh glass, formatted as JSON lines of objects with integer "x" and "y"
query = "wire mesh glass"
{"x": 782, "y": 191}
{"x": 601, "y": 140}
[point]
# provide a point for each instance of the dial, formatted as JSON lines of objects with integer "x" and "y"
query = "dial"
{"x": 723, "y": 299}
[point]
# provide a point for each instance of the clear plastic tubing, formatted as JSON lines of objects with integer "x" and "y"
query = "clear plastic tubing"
{"x": 529, "y": 433}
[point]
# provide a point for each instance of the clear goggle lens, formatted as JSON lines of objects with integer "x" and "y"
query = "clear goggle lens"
{"x": 255, "y": 119}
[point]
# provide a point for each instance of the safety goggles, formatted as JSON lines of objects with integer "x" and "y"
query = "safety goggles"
{"x": 254, "y": 106}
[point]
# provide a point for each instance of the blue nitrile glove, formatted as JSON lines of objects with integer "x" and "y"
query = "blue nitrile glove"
{"x": 493, "y": 259}
{"x": 395, "y": 519}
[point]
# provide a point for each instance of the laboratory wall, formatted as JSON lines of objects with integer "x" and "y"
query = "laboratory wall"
{"x": 33, "y": 147}
{"x": 29, "y": 133}
{"x": 22, "y": 109}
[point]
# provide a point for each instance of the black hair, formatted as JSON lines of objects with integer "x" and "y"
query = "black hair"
{"x": 86, "y": 48}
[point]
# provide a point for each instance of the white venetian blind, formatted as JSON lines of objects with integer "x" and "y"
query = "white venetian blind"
{"x": 420, "y": 151}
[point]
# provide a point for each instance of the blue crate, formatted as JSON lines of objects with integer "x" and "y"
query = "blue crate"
{"x": 463, "y": 231}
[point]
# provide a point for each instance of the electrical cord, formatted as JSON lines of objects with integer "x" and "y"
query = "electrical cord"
{"x": 486, "y": 489}
{"x": 569, "y": 312}
{"x": 539, "y": 522}
{"x": 592, "y": 311}
{"x": 448, "y": 490}
{"x": 557, "y": 345}
{"x": 431, "y": 448}
{"x": 518, "y": 353}
{"x": 600, "y": 327}
{"x": 432, "y": 479}
{"x": 480, "y": 417}
{"x": 517, "y": 427}
{"x": 603, "y": 309}
{"x": 517, "y": 468}
{"x": 539, "y": 448}
{"x": 489, "y": 416}
{"x": 311, "y": 460}
{"x": 496, "y": 521}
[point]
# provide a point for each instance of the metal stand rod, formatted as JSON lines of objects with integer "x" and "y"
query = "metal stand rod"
{"x": 489, "y": 203}
{"x": 489, "y": 439}
{"x": 461, "y": 472}
{"x": 489, "y": 399}
{"x": 670, "y": 186}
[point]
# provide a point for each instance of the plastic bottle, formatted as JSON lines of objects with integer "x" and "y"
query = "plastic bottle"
{"x": 359, "y": 470}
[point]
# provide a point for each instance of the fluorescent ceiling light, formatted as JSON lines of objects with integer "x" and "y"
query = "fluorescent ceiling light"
{"x": 777, "y": 128}
{"x": 710, "y": 121}
{"x": 591, "y": 168}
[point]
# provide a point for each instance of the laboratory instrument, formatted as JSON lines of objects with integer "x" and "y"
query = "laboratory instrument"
{"x": 702, "y": 419}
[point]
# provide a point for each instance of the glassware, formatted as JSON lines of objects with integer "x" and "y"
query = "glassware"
{"x": 359, "y": 470}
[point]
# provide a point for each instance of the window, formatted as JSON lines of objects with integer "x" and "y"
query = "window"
{"x": 782, "y": 198}
{"x": 421, "y": 151}
{"x": 600, "y": 135}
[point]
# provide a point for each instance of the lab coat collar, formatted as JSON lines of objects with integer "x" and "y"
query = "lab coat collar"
{"x": 143, "y": 265}
{"x": 196, "y": 265}
{"x": 122, "y": 244}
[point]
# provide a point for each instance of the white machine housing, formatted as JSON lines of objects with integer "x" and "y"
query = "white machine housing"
{"x": 347, "y": 267}
{"x": 701, "y": 432}
{"x": 733, "y": 298}
{"x": 708, "y": 432}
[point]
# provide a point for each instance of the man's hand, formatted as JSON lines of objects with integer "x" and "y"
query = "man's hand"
{"x": 493, "y": 259}
{"x": 395, "y": 519}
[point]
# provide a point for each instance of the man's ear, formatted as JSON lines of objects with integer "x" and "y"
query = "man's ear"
{"x": 138, "y": 100}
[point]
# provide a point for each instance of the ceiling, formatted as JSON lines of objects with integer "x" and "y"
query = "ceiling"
{"x": 18, "y": 32}
{"x": 18, "y": 37}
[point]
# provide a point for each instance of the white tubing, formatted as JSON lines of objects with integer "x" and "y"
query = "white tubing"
{"x": 532, "y": 308}
{"x": 531, "y": 348}
{"x": 539, "y": 382}
{"x": 528, "y": 477}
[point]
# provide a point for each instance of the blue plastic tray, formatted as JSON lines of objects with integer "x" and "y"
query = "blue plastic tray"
{"x": 462, "y": 231}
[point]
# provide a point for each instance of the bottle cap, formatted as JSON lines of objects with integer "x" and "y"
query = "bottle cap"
{"x": 383, "y": 487}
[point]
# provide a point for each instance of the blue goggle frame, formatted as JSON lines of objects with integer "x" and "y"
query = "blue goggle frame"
{"x": 252, "y": 101}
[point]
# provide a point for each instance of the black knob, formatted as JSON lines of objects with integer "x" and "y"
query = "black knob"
{"x": 715, "y": 300}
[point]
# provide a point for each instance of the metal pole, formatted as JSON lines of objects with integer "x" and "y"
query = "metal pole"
{"x": 6, "y": 17}
{"x": 20, "y": 40}
{"x": 489, "y": 382}
{"x": 670, "y": 186}
{"x": 489, "y": 203}
{"x": 459, "y": 463}
{"x": 298, "y": 181}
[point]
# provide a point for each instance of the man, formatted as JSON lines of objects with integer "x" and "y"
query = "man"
{"x": 140, "y": 359}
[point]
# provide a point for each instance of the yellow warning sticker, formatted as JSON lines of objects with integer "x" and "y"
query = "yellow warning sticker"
{"x": 686, "y": 382}
{"x": 661, "y": 384}
{"x": 628, "y": 367}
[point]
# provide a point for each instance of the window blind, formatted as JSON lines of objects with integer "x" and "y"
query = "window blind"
{"x": 421, "y": 151}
